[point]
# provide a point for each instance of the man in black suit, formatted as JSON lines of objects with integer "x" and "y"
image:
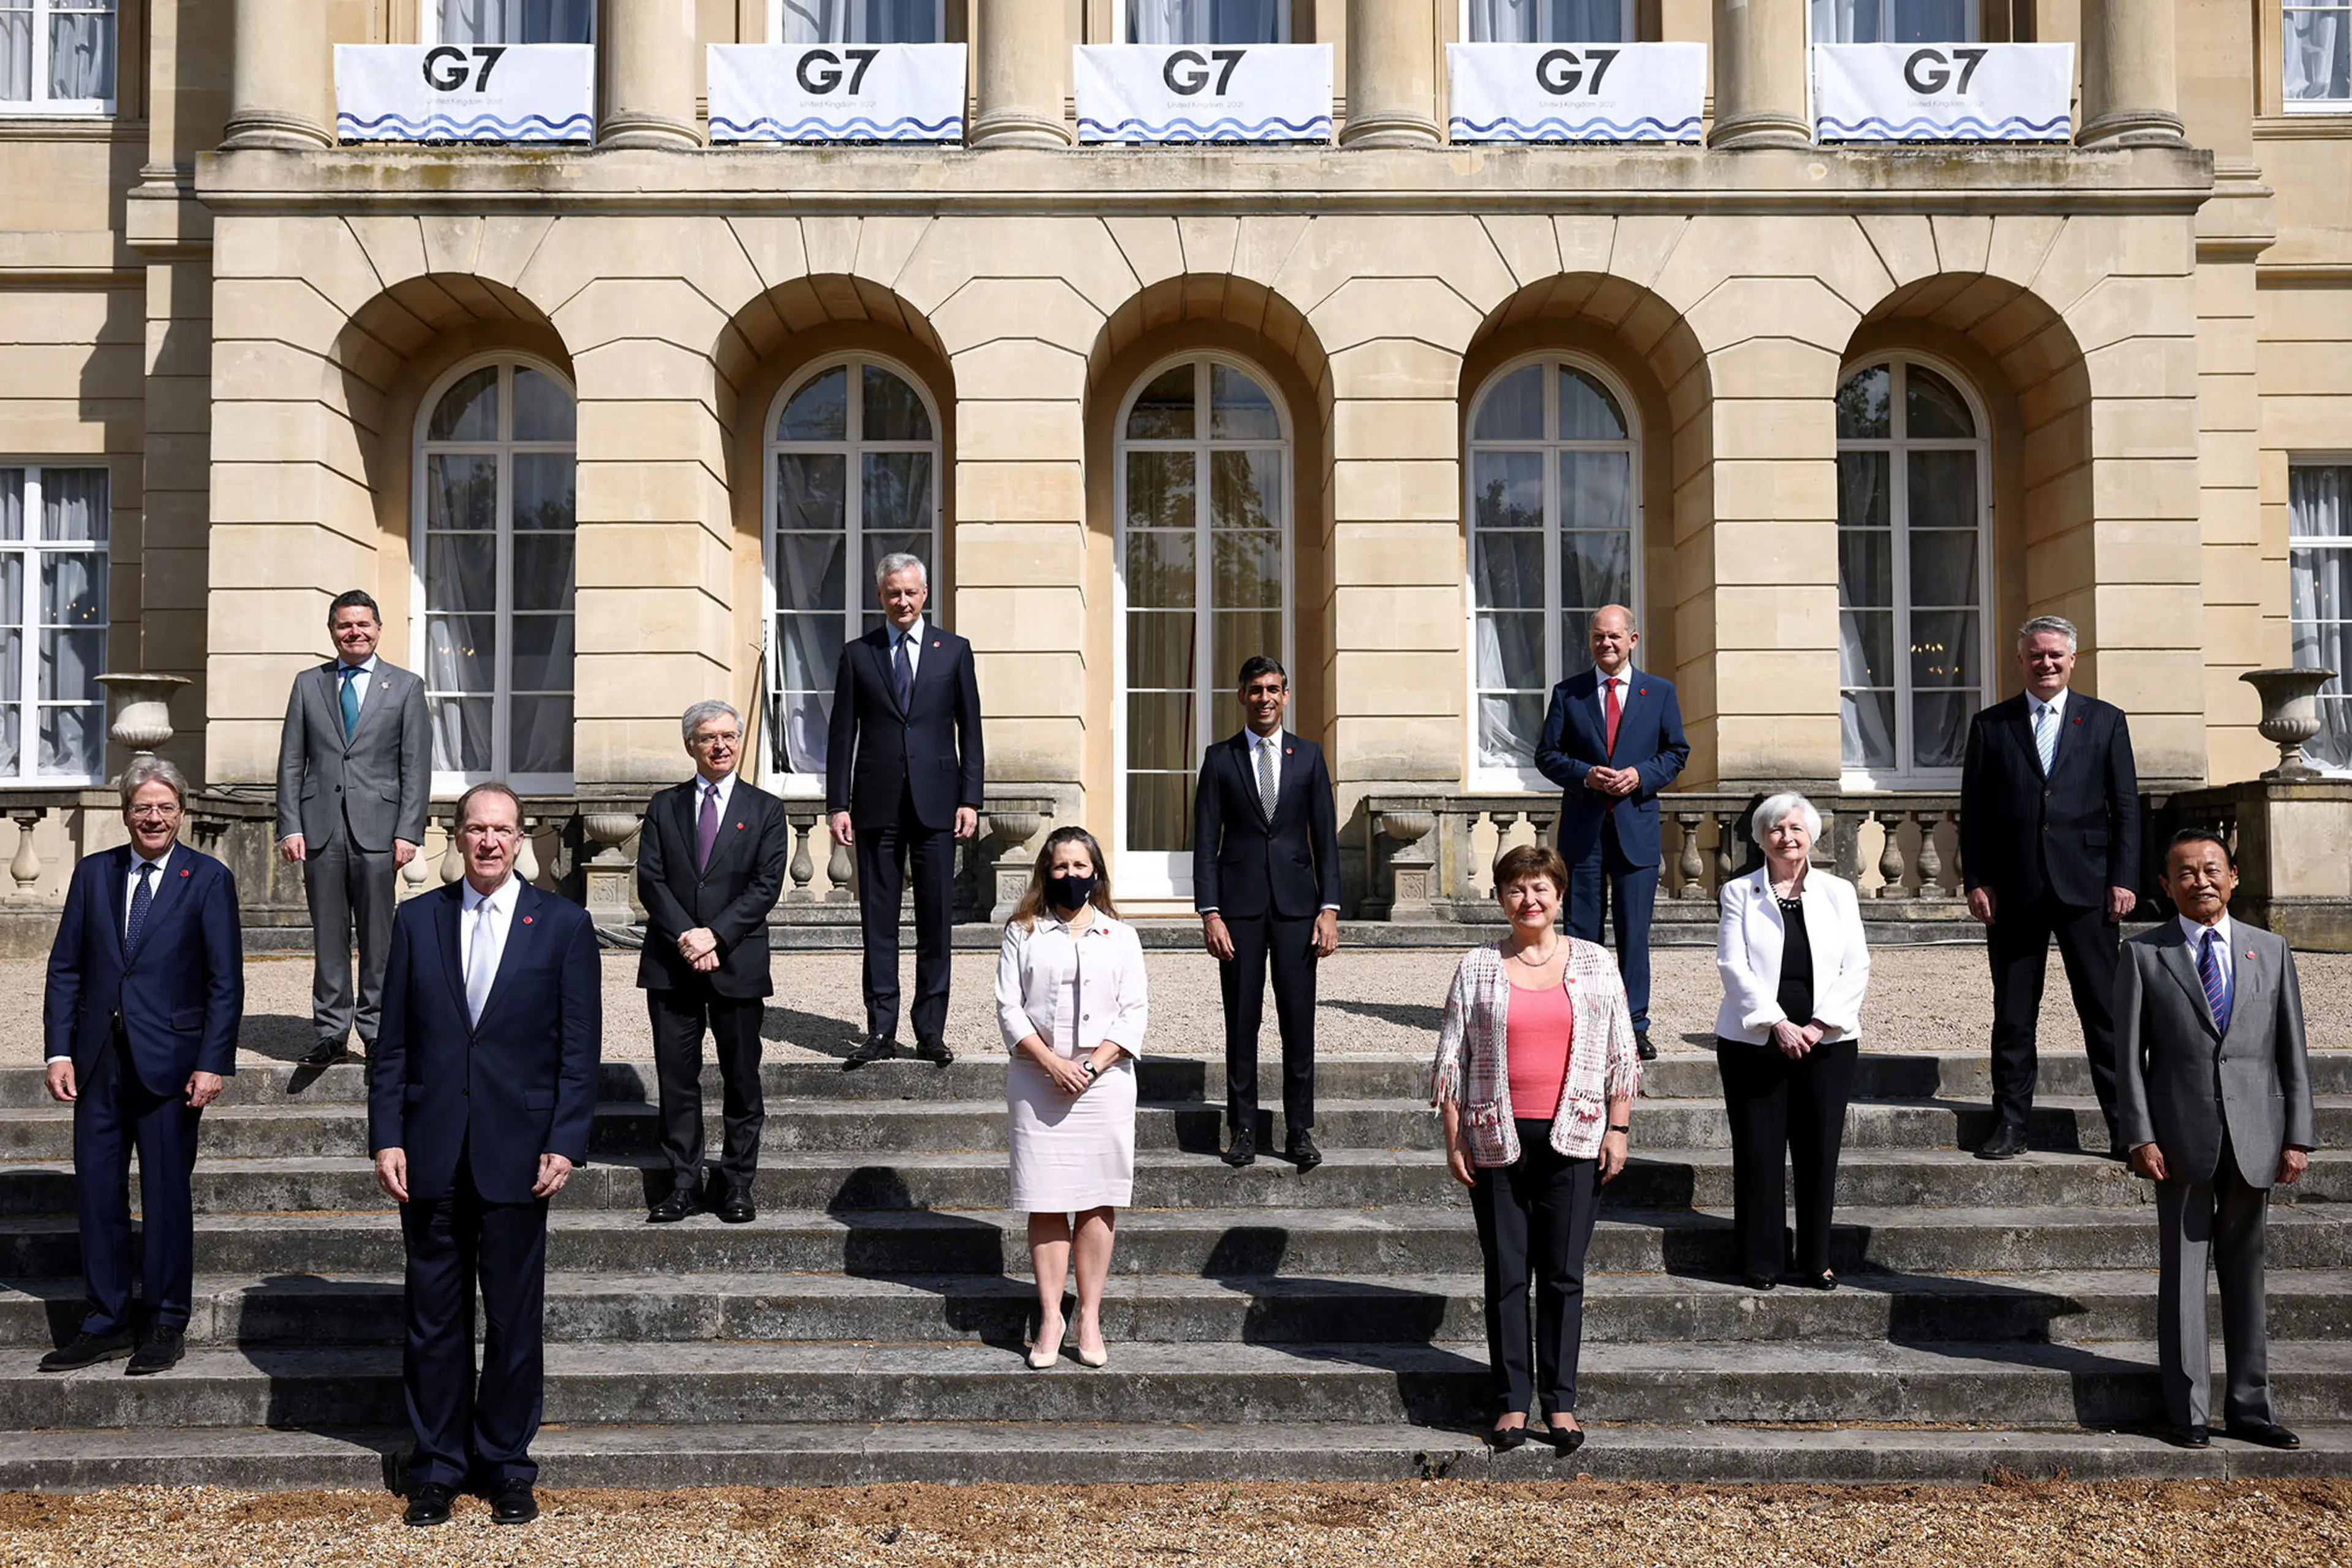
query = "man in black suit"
{"x": 2048, "y": 846}
{"x": 480, "y": 1090}
{"x": 1265, "y": 882}
{"x": 146, "y": 991}
{"x": 903, "y": 777}
{"x": 710, "y": 864}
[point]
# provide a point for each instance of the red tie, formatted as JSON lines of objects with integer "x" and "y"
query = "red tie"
{"x": 1612, "y": 712}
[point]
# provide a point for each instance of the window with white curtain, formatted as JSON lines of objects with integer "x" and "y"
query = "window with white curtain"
{"x": 56, "y": 57}
{"x": 2317, "y": 39}
{"x": 1206, "y": 21}
{"x": 852, "y": 475}
{"x": 494, "y": 567}
{"x": 2319, "y": 596}
{"x": 470, "y": 22}
{"x": 1894, "y": 21}
{"x": 1912, "y": 562}
{"x": 1547, "y": 21}
{"x": 857, "y": 21}
{"x": 1552, "y": 505}
{"x": 53, "y": 529}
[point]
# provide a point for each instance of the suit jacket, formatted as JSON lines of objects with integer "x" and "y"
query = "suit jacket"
{"x": 1649, "y": 740}
{"x": 1245, "y": 866}
{"x": 875, "y": 753}
{"x": 2180, "y": 1083}
{"x": 180, "y": 997}
{"x": 1752, "y": 936}
{"x": 377, "y": 783}
{"x": 521, "y": 1083}
{"x": 732, "y": 896}
{"x": 2073, "y": 835}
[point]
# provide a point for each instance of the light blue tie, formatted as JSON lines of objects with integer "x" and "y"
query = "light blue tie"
{"x": 2045, "y": 736}
{"x": 351, "y": 701}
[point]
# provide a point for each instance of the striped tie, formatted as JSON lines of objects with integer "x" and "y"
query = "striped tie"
{"x": 2217, "y": 988}
{"x": 2045, "y": 737}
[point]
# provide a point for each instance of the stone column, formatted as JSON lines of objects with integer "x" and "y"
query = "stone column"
{"x": 1024, "y": 69}
{"x": 648, "y": 49}
{"x": 1759, "y": 74}
{"x": 2130, "y": 94}
{"x": 282, "y": 80}
{"x": 1392, "y": 75}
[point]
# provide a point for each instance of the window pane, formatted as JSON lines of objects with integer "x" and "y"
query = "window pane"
{"x": 1238, "y": 635}
{"x": 810, "y": 492}
{"x": 810, "y": 650}
{"x": 73, "y": 595}
{"x": 1507, "y": 570}
{"x": 879, "y": 545}
{"x": 73, "y": 504}
{"x": 1160, "y": 812}
{"x": 70, "y": 662}
{"x": 1513, "y": 407}
{"x": 2318, "y": 500}
{"x": 1932, "y": 407}
{"x": 1159, "y": 730}
{"x": 543, "y": 491}
{"x": 461, "y": 492}
{"x": 1595, "y": 569}
{"x": 1245, "y": 571}
{"x": 1246, "y": 489}
{"x": 1865, "y": 568}
{"x": 1161, "y": 567}
{"x": 1587, "y": 411}
{"x": 809, "y": 570}
{"x": 1866, "y": 648}
{"x": 16, "y": 76}
{"x": 542, "y": 742}
{"x": 819, "y": 411}
{"x": 1944, "y": 649}
{"x": 12, "y": 597}
{"x": 543, "y": 652}
{"x": 1160, "y": 650}
{"x": 1159, "y": 489}
{"x": 1203, "y": 21}
{"x": 542, "y": 572}
{"x": 1596, "y": 490}
{"x": 893, "y": 412}
{"x": 1866, "y": 730}
{"x": 461, "y": 733}
{"x": 1509, "y": 726}
{"x": 1864, "y": 407}
{"x": 461, "y": 573}
{"x": 1943, "y": 568}
{"x": 1239, "y": 409}
{"x": 73, "y": 740}
{"x": 543, "y": 410}
{"x": 897, "y": 495}
{"x": 1506, "y": 488}
{"x": 1940, "y": 728}
{"x": 2319, "y": 599}
{"x": 515, "y": 21}
{"x": 12, "y": 503}
{"x": 859, "y": 22}
{"x": 1863, "y": 496}
{"x": 12, "y": 653}
{"x": 1510, "y": 652}
{"x": 2318, "y": 53}
{"x": 1163, "y": 411}
{"x": 468, "y": 411}
{"x": 1930, "y": 22}
{"x": 81, "y": 50}
{"x": 461, "y": 653}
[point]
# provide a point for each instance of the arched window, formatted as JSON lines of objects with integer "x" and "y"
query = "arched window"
{"x": 852, "y": 475}
{"x": 494, "y": 574}
{"x": 1203, "y": 510}
{"x": 1553, "y": 508}
{"x": 1912, "y": 565}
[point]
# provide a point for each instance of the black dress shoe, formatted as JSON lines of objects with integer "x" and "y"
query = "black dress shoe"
{"x": 2007, "y": 1143}
{"x": 1242, "y": 1150}
{"x": 874, "y": 1048}
{"x": 1761, "y": 1282}
{"x": 1566, "y": 1439}
{"x": 936, "y": 1052}
{"x": 1503, "y": 1440}
{"x": 512, "y": 1503}
{"x": 2268, "y": 1433}
{"x": 429, "y": 1506}
{"x": 680, "y": 1203}
{"x": 2188, "y": 1436}
{"x": 735, "y": 1207}
{"x": 1642, "y": 1047}
{"x": 87, "y": 1349}
{"x": 326, "y": 1054}
{"x": 163, "y": 1350}
{"x": 1825, "y": 1280}
{"x": 1301, "y": 1151}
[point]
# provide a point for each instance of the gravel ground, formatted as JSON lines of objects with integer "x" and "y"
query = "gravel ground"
{"x": 1408, "y": 1525}
{"x": 1921, "y": 999}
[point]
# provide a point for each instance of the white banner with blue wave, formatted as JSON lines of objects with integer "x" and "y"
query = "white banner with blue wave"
{"x": 837, "y": 92}
{"x": 1943, "y": 92}
{"x": 1202, "y": 92}
{"x": 1575, "y": 92}
{"x": 483, "y": 92}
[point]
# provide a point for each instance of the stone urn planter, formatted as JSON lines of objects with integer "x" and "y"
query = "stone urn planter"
{"x": 142, "y": 721}
{"x": 2290, "y": 715}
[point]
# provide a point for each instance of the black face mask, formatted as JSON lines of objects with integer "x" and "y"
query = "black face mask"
{"x": 1069, "y": 892}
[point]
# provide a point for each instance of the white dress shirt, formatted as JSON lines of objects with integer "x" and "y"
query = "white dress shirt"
{"x": 2056, "y": 709}
{"x": 130, "y": 887}
{"x": 726, "y": 782}
{"x": 1600, "y": 680}
{"x": 359, "y": 683}
{"x": 2222, "y": 953}
{"x": 502, "y": 906}
{"x": 914, "y": 635}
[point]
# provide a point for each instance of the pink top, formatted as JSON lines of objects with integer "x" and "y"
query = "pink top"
{"x": 1538, "y": 1032}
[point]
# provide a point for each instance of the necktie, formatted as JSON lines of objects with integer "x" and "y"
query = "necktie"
{"x": 142, "y": 898}
{"x": 2045, "y": 736}
{"x": 351, "y": 701}
{"x": 1612, "y": 712}
{"x": 902, "y": 668}
{"x": 481, "y": 962}
{"x": 1268, "y": 774}
{"x": 705, "y": 826}
{"x": 2217, "y": 987}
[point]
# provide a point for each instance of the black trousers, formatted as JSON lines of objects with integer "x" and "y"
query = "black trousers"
{"x": 2018, "y": 941}
{"x": 680, "y": 1016}
{"x": 884, "y": 854}
{"x": 114, "y": 1112}
{"x": 459, "y": 1243}
{"x": 1288, "y": 948}
{"x": 1535, "y": 1220}
{"x": 1778, "y": 1106}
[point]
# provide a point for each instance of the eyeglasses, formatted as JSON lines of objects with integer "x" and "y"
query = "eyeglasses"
{"x": 152, "y": 812}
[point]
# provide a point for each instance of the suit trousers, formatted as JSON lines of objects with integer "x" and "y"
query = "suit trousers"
{"x": 2018, "y": 941}
{"x": 681, "y": 1014}
{"x": 883, "y": 855}
{"x": 1287, "y": 947}
{"x": 2222, "y": 1219}
{"x": 459, "y": 1243}
{"x": 352, "y": 892}
{"x": 1604, "y": 879}
{"x": 1535, "y": 1220}
{"x": 114, "y": 1113}
{"x": 1780, "y": 1107}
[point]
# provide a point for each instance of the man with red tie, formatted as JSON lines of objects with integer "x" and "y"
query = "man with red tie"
{"x": 1612, "y": 740}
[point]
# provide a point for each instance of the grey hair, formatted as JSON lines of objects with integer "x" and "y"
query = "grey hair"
{"x": 890, "y": 566}
{"x": 701, "y": 713}
{"x": 2039, "y": 624}
{"x": 144, "y": 770}
{"x": 1776, "y": 809}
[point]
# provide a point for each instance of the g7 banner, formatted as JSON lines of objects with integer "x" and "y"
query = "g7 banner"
{"x": 489, "y": 92}
{"x": 1943, "y": 92}
{"x": 837, "y": 92}
{"x": 1156, "y": 92}
{"x": 1575, "y": 92}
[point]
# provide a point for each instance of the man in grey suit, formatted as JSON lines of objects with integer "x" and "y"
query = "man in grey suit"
{"x": 354, "y": 772}
{"x": 2213, "y": 1100}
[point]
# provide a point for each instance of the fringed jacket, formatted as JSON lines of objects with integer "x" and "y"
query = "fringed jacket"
{"x": 1473, "y": 1067}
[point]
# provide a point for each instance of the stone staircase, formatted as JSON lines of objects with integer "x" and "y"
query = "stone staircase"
{"x": 1263, "y": 1324}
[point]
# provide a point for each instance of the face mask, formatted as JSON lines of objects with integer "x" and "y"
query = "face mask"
{"x": 1069, "y": 892}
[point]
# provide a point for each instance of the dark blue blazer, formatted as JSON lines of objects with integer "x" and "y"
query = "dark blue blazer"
{"x": 1649, "y": 740}
{"x": 2073, "y": 834}
{"x": 180, "y": 997}
{"x": 1244, "y": 867}
{"x": 520, "y": 1084}
{"x": 875, "y": 751}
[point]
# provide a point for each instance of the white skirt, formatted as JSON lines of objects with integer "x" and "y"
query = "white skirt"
{"x": 1070, "y": 1154}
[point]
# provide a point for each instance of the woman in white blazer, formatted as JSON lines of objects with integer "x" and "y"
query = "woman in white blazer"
{"x": 1070, "y": 1000}
{"x": 1794, "y": 967}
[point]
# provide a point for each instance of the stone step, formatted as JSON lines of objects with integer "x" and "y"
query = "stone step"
{"x": 1701, "y": 1381}
{"x": 2066, "y": 1071}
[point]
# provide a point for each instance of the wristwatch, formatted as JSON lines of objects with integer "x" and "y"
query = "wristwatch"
{"x": 1625, "y": 1128}
{"x": 1093, "y": 1071}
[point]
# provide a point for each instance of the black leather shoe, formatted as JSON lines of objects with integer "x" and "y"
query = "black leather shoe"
{"x": 1242, "y": 1150}
{"x": 429, "y": 1506}
{"x": 87, "y": 1349}
{"x": 735, "y": 1206}
{"x": 1642, "y": 1047}
{"x": 1761, "y": 1282}
{"x": 163, "y": 1350}
{"x": 2188, "y": 1436}
{"x": 1301, "y": 1151}
{"x": 326, "y": 1054}
{"x": 1503, "y": 1440}
{"x": 2006, "y": 1144}
{"x": 680, "y": 1203}
{"x": 936, "y": 1052}
{"x": 1566, "y": 1439}
{"x": 512, "y": 1503}
{"x": 875, "y": 1048}
{"x": 2268, "y": 1433}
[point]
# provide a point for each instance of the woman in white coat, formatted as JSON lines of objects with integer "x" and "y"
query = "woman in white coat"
{"x": 1794, "y": 967}
{"x": 1070, "y": 999}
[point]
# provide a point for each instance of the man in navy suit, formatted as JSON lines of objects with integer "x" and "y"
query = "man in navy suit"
{"x": 1612, "y": 740}
{"x": 1265, "y": 882}
{"x": 146, "y": 991}
{"x": 479, "y": 1095}
{"x": 903, "y": 777}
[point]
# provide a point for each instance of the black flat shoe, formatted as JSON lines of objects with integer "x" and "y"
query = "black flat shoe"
{"x": 1302, "y": 1152}
{"x": 1243, "y": 1150}
{"x": 2188, "y": 1436}
{"x": 1761, "y": 1282}
{"x": 875, "y": 1048}
{"x": 2006, "y": 1144}
{"x": 2268, "y": 1433}
{"x": 87, "y": 1349}
{"x": 1642, "y": 1047}
{"x": 430, "y": 1506}
{"x": 326, "y": 1054}
{"x": 1825, "y": 1280}
{"x": 936, "y": 1052}
{"x": 1566, "y": 1439}
{"x": 1503, "y": 1440}
{"x": 163, "y": 1350}
{"x": 512, "y": 1503}
{"x": 680, "y": 1203}
{"x": 736, "y": 1208}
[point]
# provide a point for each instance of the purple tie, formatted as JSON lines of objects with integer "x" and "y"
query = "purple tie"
{"x": 705, "y": 826}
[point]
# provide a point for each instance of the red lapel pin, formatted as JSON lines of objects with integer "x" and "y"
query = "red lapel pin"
{"x": 526, "y": 919}
{"x": 1644, "y": 692}
{"x": 183, "y": 871}
{"x": 739, "y": 827}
